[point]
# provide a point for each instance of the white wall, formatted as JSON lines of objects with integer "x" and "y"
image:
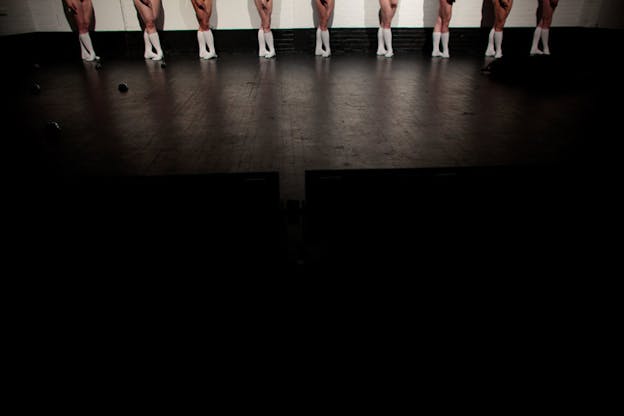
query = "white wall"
{"x": 612, "y": 14}
{"x": 113, "y": 15}
{"x": 15, "y": 17}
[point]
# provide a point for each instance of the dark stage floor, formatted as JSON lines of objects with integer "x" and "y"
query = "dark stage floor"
{"x": 299, "y": 113}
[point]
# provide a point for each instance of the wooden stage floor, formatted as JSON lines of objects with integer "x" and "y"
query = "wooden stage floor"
{"x": 299, "y": 114}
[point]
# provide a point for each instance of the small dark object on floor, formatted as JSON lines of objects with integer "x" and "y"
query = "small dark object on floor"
{"x": 35, "y": 88}
{"x": 53, "y": 129}
{"x": 123, "y": 87}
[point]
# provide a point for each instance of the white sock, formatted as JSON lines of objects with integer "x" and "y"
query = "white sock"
{"x": 269, "y": 40}
{"x": 319, "y": 43}
{"x": 490, "y": 48}
{"x": 203, "y": 53}
{"x": 498, "y": 42}
{"x": 445, "y": 45}
{"x": 436, "y": 44}
{"x": 545, "y": 34}
{"x": 381, "y": 48}
{"x": 325, "y": 38}
{"x": 261, "y": 43}
{"x": 387, "y": 34}
{"x": 536, "y": 37}
{"x": 149, "y": 53}
{"x": 88, "y": 54}
{"x": 209, "y": 39}
{"x": 155, "y": 39}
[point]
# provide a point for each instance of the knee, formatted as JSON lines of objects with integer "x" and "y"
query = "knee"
{"x": 323, "y": 23}
{"x": 204, "y": 26}
{"x": 150, "y": 25}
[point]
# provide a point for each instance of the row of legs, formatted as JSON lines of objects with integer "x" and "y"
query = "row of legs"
{"x": 495, "y": 43}
{"x": 266, "y": 46}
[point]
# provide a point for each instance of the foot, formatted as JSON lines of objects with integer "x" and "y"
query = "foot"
{"x": 270, "y": 55}
{"x": 318, "y": 51}
{"x": 436, "y": 54}
{"x": 204, "y": 55}
{"x": 499, "y": 54}
{"x": 262, "y": 53}
{"x": 546, "y": 51}
{"x": 381, "y": 52}
{"x": 158, "y": 57}
{"x": 212, "y": 55}
{"x": 536, "y": 52}
{"x": 445, "y": 55}
{"x": 326, "y": 54}
{"x": 490, "y": 52}
{"x": 389, "y": 54}
{"x": 149, "y": 55}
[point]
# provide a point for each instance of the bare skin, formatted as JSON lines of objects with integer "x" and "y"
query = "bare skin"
{"x": 388, "y": 10}
{"x": 81, "y": 10}
{"x": 444, "y": 17}
{"x": 265, "y": 9}
{"x": 203, "y": 11}
{"x": 545, "y": 11}
{"x": 149, "y": 11}
{"x": 325, "y": 9}
{"x": 501, "y": 11}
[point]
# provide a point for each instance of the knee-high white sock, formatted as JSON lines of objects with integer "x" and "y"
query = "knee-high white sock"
{"x": 149, "y": 53}
{"x": 387, "y": 35}
{"x": 319, "y": 43}
{"x": 261, "y": 43}
{"x": 209, "y": 39}
{"x": 436, "y": 44}
{"x": 203, "y": 53}
{"x": 545, "y": 46}
{"x": 155, "y": 39}
{"x": 268, "y": 36}
{"x": 490, "y": 48}
{"x": 381, "y": 47}
{"x": 88, "y": 54}
{"x": 498, "y": 43}
{"x": 536, "y": 37}
{"x": 325, "y": 38}
{"x": 445, "y": 45}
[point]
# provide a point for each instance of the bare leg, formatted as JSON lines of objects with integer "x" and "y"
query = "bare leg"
{"x": 265, "y": 10}
{"x": 388, "y": 9}
{"x": 149, "y": 11}
{"x": 82, "y": 12}
{"x": 325, "y": 9}
{"x": 501, "y": 11}
{"x": 548, "y": 9}
{"x": 265, "y": 36}
{"x": 381, "y": 46}
{"x": 203, "y": 12}
{"x": 445, "y": 13}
